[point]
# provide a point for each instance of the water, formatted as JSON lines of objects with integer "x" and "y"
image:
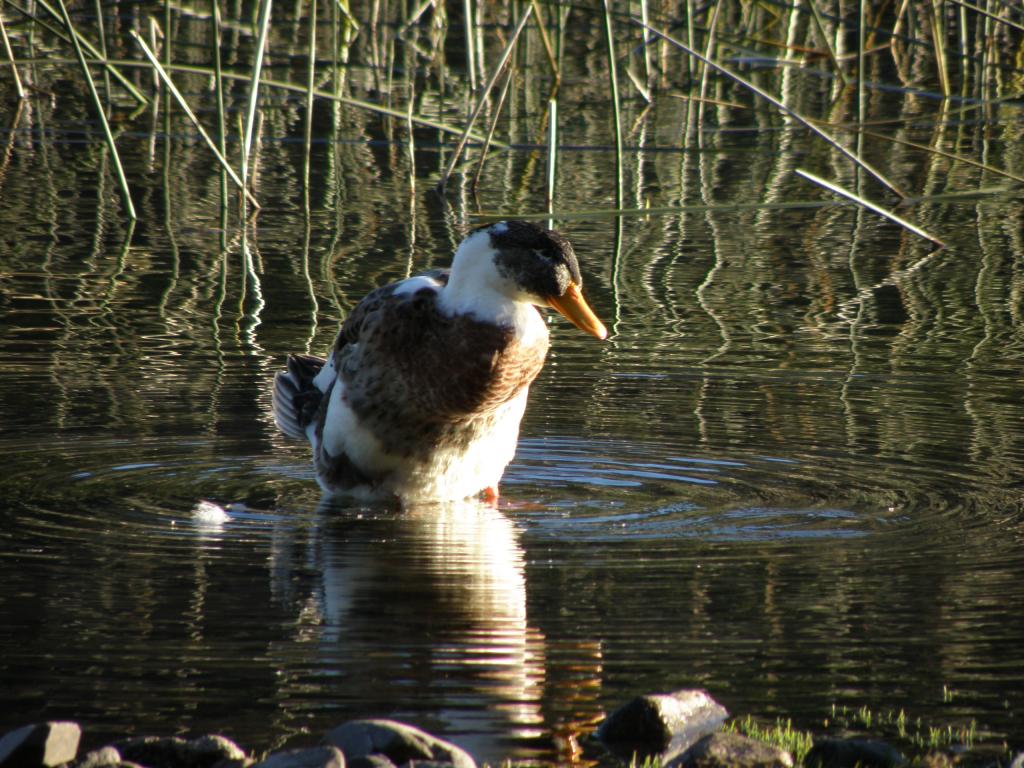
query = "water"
{"x": 793, "y": 475}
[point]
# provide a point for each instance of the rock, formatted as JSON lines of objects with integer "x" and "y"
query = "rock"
{"x": 100, "y": 758}
{"x": 732, "y": 750}
{"x": 398, "y": 742}
{"x": 847, "y": 753}
{"x": 174, "y": 752}
{"x": 662, "y": 723}
{"x": 315, "y": 757}
{"x": 43, "y": 744}
{"x": 935, "y": 760}
{"x": 370, "y": 761}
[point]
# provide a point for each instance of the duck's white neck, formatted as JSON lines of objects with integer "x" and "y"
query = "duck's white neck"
{"x": 476, "y": 288}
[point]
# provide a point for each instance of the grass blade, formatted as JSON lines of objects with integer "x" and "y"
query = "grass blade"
{"x": 870, "y": 206}
{"x": 121, "y": 179}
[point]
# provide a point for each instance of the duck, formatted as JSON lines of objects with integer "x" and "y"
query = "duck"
{"x": 421, "y": 396}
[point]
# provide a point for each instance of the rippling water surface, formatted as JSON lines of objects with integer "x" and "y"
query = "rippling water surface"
{"x": 794, "y": 475}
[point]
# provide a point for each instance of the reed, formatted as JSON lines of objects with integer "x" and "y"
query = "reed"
{"x": 863, "y": 202}
{"x": 122, "y": 180}
{"x": 88, "y": 47}
{"x": 166, "y": 79}
{"x": 966, "y": 46}
{"x": 257, "y": 68}
{"x": 782, "y": 107}
{"x": 307, "y": 136}
{"x": 10, "y": 57}
{"x": 482, "y": 98}
{"x": 509, "y": 75}
{"x": 613, "y": 83}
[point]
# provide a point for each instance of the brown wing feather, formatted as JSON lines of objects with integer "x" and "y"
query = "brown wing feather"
{"x": 418, "y": 378}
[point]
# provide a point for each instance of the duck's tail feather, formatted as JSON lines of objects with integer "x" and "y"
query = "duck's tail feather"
{"x": 296, "y": 400}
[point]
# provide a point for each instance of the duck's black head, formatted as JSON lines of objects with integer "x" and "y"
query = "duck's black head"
{"x": 535, "y": 264}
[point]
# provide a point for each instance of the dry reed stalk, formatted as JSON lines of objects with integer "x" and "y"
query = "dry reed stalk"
{"x": 819, "y": 25}
{"x": 509, "y": 74}
{"x": 859, "y": 161}
{"x": 870, "y": 206}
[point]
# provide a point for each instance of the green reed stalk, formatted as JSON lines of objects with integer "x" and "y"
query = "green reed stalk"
{"x": 709, "y": 49}
{"x": 218, "y": 81}
{"x": 648, "y": 68}
{"x": 321, "y": 94}
{"x": 870, "y": 206}
{"x": 254, "y": 83}
{"x": 467, "y": 12}
{"x": 89, "y": 47}
{"x": 168, "y": 34}
{"x": 121, "y": 179}
{"x": 939, "y": 44}
{"x": 502, "y": 61}
{"x": 10, "y": 56}
{"x": 552, "y": 156}
{"x": 789, "y": 111}
{"x": 166, "y": 79}
{"x": 307, "y": 139}
{"x": 613, "y": 78}
{"x": 412, "y": 149}
{"x": 862, "y": 23}
{"x": 100, "y": 28}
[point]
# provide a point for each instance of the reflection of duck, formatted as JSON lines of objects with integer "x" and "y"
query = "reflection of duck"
{"x": 422, "y": 394}
{"x": 419, "y": 614}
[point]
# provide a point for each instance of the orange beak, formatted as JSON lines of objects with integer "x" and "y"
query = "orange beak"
{"x": 574, "y": 308}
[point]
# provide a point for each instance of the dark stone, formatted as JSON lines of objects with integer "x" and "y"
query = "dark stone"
{"x": 847, "y": 753}
{"x": 174, "y": 752}
{"x": 400, "y": 743}
{"x": 100, "y": 758}
{"x": 935, "y": 760}
{"x": 315, "y": 757}
{"x": 43, "y": 744}
{"x": 370, "y": 761}
{"x": 660, "y": 723}
{"x": 732, "y": 750}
